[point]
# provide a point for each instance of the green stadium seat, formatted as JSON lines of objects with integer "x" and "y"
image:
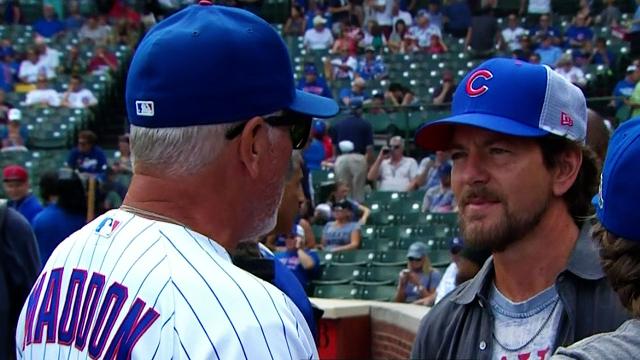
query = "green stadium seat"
{"x": 384, "y": 218}
{"x": 377, "y": 244}
{"x": 336, "y": 291}
{"x": 440, "y": 258}
{"x": 390, "y": 232}
{"x": 391, "y": 258}
{"x": 368, "y": 231}
{"x": 326, "y": 257}
{"x": 377, "y": 275}
{"x": 353, "y": 257}
{"x": 334, "y": 275}
{"x": 378, "y": 292}
{"x": 405, "y": 207}
{"x": 317, "y": 231}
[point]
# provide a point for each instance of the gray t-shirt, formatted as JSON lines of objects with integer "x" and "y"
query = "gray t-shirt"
{"x": 525, "y": 330}
{"x": 624, "y": 343}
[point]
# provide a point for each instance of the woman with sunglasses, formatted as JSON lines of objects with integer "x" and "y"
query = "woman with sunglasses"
{"x": 419, "y": 280}
{"x": 344, "y": 233}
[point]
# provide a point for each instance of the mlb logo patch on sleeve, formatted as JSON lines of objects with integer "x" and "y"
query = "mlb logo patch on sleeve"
{"x": 144, "y": 108}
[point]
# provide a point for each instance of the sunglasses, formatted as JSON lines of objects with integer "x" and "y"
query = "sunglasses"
{"x": 299, "y": 127}
{"x": 395, "y": 147}
{"x": 414, "y": 259}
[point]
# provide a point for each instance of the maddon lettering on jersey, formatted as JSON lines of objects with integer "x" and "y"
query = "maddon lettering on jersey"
{"x": 85, "y": 318}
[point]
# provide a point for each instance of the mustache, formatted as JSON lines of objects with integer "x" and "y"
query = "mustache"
{"x": 479, "y": 192}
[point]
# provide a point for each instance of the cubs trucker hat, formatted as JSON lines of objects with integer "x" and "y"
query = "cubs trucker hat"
{"x": 210, "y": 64}
{"x": 618, "y": 196}
{"x": 511, "y": 97}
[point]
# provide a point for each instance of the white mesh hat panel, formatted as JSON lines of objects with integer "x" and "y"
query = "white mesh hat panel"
{"x": 564, "y": 112}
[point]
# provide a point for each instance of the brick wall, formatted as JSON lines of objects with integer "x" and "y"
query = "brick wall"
{"x": 389, "y": 341}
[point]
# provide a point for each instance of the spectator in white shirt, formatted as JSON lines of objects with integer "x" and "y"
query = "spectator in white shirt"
{"x": 398, "y": 14}
{"x": 319, "y": 37}
{"x": 47, "y": 56}
{"x": 512, "y": 33}
{"x": 569, "y": 71}
{"x": 77, "y": 96}
{"x": 92, "y": 31}
{"x": 32, "y": 67}
{"x": 393, "y": 170}
{"x": 382, "y": 15}
{"x": 344, "y": 66}
{"x": 42, "y": 95}
{"x": 423, "y": 30}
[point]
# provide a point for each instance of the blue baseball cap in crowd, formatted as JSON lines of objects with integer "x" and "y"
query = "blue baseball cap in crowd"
{"x": 319, "y": 126}
{"x": 514, "y": 98}
{"x": 417, "y": 250}
{"x": 210, "y": 64}
{"x": 618, "y": 196}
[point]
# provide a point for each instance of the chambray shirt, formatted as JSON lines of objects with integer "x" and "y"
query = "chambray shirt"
{"x": 461, "y": 325}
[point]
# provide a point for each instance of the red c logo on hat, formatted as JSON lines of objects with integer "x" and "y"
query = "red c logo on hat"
{"x": 473, "y": 92}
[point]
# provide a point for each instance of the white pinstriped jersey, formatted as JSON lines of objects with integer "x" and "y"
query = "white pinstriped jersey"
{"x": 126, "y": 286}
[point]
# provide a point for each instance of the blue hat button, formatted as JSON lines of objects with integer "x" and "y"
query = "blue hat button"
{"x": 205, "y": 2}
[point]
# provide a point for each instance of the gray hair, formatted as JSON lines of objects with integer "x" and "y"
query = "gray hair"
{"x": 397, "y": 139}
{"x": 183, "y": 150}
{"x": 295, "y": 162}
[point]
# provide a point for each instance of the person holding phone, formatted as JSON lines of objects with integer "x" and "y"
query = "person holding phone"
{"x": 393, "y": 170}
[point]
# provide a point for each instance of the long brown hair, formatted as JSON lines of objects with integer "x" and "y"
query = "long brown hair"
{"x": 578, "y": 197}
{"x": 620, "y": 260}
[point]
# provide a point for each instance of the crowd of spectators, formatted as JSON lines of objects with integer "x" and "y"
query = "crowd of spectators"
{"x": 358, "y": 36}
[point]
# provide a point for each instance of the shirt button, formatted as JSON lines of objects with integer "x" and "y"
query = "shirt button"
{"x": 483, "y": 345}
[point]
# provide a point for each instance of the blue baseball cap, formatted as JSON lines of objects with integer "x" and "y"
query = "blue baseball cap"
{"x": 319, "y": 126}
{"x": 514, "y": 98}
{"x": 210, "y": 64}
{"x": 618, "y": 196}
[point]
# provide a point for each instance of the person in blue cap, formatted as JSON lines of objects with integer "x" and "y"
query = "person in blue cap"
{"x": 440, "y": 198}
{"x": 212, "y": 133}
{"x": 314, "y": 83}
{"x": 523, "y": 179}
{"x": 618, "y": 238}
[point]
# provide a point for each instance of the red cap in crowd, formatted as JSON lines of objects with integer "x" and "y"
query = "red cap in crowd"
{"x": 15, "y": 173}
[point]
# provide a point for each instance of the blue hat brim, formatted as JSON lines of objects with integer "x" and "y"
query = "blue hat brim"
{"x": 314, "y": 105}
{"x": 436, "y": 135}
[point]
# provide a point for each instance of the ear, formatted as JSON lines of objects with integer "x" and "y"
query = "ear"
{"x": 253, "y": 145}
{"x": 566, "y": 170}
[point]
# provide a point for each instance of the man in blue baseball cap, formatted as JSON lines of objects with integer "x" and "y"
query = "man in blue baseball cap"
{"x": 616, "y": 232}
{"x": 523, "y": 180}
{"x": 214, "y": 117}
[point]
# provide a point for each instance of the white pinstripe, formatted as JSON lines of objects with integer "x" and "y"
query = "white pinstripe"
{"x": 207, "y": 307}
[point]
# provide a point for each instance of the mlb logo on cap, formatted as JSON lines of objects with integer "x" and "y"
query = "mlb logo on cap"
{"x": 144, "y": 108}
{"x": 514, "y": 98}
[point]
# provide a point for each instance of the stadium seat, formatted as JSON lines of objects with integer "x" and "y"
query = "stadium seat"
{"x": 353, "y": 257}
{"x": 333, "y": 275}
{"x": 440, "y": 258}
{"x": 377, "y": 275}
{"x": 377, "y": 292}
{"x": 336, "y": 291}
{"x": 391, "y": 258}
{"x": 326, "y": 257}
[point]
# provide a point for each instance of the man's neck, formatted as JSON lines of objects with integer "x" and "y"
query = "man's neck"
{"x": 182, "y": 201}
{"x": 395, "y": 160}
{"x": 532, "y": 264}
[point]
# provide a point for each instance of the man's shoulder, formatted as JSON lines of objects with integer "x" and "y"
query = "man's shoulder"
{"x": 433, "y": 331}
{"x": 620, "y": 344}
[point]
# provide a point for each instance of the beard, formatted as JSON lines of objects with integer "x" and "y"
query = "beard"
{"x": 507, "y": 229}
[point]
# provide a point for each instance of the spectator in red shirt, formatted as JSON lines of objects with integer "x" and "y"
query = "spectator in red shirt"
{"x": 437, "y": 46}
{"x": 320, "y": 128}
{"x": 103, "y": 60}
